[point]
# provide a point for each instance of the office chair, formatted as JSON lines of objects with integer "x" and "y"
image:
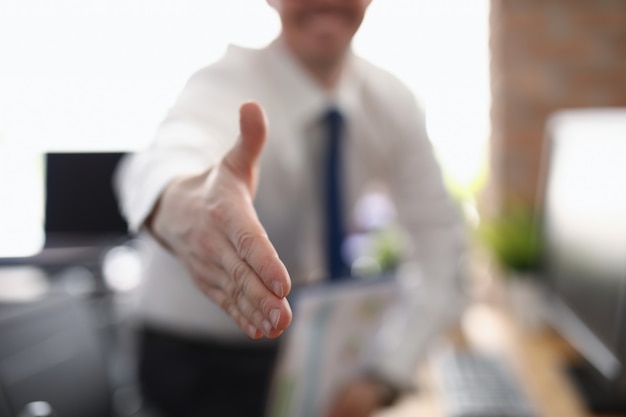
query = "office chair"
{"x": 50, "y": 352}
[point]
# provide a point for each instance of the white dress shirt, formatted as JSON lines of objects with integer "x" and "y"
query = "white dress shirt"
{"x": 385, "y": 141}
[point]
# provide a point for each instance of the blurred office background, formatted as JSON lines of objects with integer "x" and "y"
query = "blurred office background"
{"x": 98, "y": 76}
{"x": 546, "y": 56}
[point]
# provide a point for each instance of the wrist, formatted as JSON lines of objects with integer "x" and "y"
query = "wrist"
{"x": 171, "y": 206}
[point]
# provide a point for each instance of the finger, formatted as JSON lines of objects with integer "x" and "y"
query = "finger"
{"x": 206, "y": 278}
{"x": 249, "y": 318}
{"x": 252, "y": 245}
{"x": 231, "y": 309}
{"x": 258, "y": 252}
{"x": 252, "y": 296}
{"x": 242, "y": 290}
{"x": 212, "y": 279}
{"x": 243, "y": 157}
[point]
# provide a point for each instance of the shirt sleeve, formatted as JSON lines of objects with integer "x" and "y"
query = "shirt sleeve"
{"x": 193, "y": 137}
{"x": 431, "y": 280}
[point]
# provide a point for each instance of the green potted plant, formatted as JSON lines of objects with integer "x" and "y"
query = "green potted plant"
{"x": 514, "y": 244}
{"x": 513, "y": 241}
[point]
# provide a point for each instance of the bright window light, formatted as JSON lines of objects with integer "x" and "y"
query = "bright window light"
{"x": 85, "y": 75}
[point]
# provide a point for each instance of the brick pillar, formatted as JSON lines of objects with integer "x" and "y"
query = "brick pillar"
{"x": 547, "y": 55}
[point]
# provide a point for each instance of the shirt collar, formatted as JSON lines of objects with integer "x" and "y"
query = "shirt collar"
{"x": 306, "y": 100}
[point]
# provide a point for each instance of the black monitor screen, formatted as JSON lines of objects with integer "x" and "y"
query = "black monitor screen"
{"x": 79, "y": 194}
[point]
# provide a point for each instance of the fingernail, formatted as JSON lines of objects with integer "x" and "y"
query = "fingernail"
{"x": 267, "y": 327}
{"x": 251, "y": 330}
{"x": 275, "y": 316}
{"x": 277, "y": 287}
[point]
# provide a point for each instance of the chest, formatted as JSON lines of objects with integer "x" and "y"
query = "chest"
{"x": 294, "y": 162}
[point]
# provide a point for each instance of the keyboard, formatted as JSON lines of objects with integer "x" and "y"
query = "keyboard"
{"x": 479, "y": 385}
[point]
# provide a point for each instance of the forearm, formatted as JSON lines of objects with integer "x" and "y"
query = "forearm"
{"x": 174, "y": 202}
{"x": 431, "y": 299}
{"x": 431, "y": 277}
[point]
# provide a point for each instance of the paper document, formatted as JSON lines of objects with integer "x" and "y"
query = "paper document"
{"x": 332, "y": 337}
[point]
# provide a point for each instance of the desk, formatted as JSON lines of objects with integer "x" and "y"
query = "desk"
{"x": 536, "y": 355}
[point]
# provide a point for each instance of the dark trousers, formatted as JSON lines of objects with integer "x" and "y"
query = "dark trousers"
{"x": 194, "y": 378}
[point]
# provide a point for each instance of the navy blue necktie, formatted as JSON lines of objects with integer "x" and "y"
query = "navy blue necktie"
{"x": 335, "y": 232}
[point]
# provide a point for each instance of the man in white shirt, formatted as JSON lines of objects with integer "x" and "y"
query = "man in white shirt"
{"x": 231, "y": 210}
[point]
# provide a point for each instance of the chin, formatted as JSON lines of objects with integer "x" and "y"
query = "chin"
{"x": 328, "y": 51}
{"x": 323, "y": 61}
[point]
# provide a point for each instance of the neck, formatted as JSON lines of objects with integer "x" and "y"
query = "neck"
{"x": 326, "y": 74}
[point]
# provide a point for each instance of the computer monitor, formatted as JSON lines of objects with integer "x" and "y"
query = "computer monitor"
{"x": 583, "y": 227}
{"x": 81, "y": 215}
{"x": 80, "y": 201}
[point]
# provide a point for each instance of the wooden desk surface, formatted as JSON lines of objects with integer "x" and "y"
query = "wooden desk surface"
{"x": 537, "y": 355}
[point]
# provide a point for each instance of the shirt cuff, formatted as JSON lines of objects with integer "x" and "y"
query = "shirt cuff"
{"x": 142, "y": 179}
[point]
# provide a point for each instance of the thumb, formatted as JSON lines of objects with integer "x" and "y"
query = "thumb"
{"x": 243, "y": 157}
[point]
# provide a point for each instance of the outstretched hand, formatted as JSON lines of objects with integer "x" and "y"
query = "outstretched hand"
{"x": 209, "y": 222}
